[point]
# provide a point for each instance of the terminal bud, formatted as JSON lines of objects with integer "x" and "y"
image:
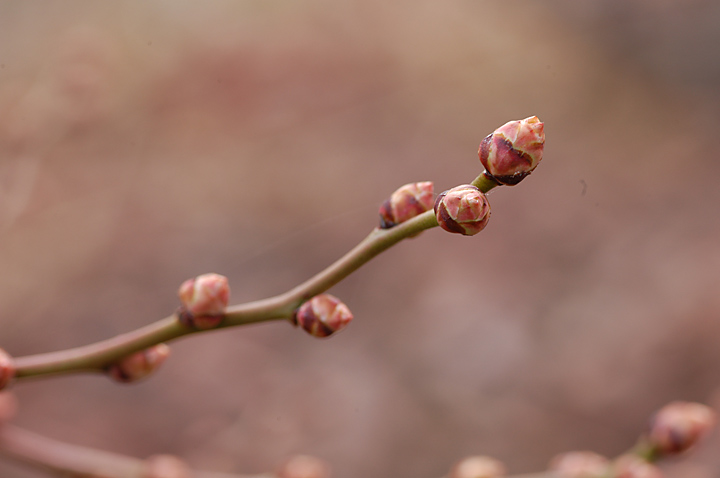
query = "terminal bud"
{"x": 678, "y": 426}
{"x": 204, "y": 300}
{"x": 513, "y": 150}
{"x": 322, "y": 315}
{"x": 405, "y": 203}
{"x": 139, "y": 365}
{"x": 463, "y": 210}
{"x": 477, "y": 467}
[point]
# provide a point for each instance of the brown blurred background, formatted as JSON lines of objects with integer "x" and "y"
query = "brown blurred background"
{"x": 145, "y": 143}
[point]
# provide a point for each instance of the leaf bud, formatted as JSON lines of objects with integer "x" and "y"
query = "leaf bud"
{"x": 322, "y": 315}
{"x": 204, "y": 300}
{"x": 513, "y": 150}
{"x": 406, "y": 203}
{"x": 304, "y": 466}
{"x": 166, "y": 466}
{"x": 580, "y": 464}
{"x": 7, "y": 369}
{"x": 477, "y": 467}
{"x": 632, "y": 466}
{"x": 678, "y": 426}
{"x": 139, "y": 365}
{"x": 463, "y": 210}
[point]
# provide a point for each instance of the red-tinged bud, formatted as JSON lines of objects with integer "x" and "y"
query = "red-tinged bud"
{"x": 204, "y": 300}
{"x": 166, "y": 466}
{"x": 632, "y": 466}
{"x": 580, "y": 464}
{"x": 406, "y": 203}
{"x": 478, "y": 467}
{"x": 304, "y": 466}
{"x": 678, "y": 426}
{"x": 7, "y": 369}
{"x": 463, "y": 210}
{"x": 322, "y": 315}
{"x": 513, "y": 150}
{"x": 8, "y": 406}
{"x": 140, "y": 364}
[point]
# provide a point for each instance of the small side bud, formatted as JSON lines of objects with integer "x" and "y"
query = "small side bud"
{"x": 204, "y": 300}
{"x": 166, "y": 466}
{"x": 304, "y": 466}
{"x": 478, "y": 467}
{"x": 322, "y": 315}
{"x": 139, "y": 365}
{"x": 7, "y": 369}
{"x": 678, "y": 426}
{"x": 513, "y": 150}
{"x": 463, "y": 210}
{"x": 632, "y": 466}
{"x": 8, "y": 406}
{"x": 406, "y": 203}
{"x": 580, "y": 464}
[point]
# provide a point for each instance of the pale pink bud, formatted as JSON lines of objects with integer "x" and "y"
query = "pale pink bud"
{"x": 166, "y": 466}
{"x": 322, "y": 315}
{"x": 304, "y": 466}
{"x": 8, "y": 406}
{"x": 140, "y": 364}
{"x": 676, "y": 427}
{"x": 632, "y": 466}
{"x": 513, "y": 150}
{"x": 463, "y": 210}
{"x": 580, "y": 464}
{"x": 7, "y": 369}
{"x": 478, "y": 467}
{"x": 406, "y": 203}
{"x": 204, "y": 300}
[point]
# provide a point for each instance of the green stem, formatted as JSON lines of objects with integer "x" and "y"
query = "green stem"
{"x": 96, "y": 357}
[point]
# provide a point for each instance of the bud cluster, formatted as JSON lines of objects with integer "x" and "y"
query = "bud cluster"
{"x": 204, "y": 300}
{"x": 513, "y": 151}
{"x": 323, "y": 315}
{"x": 139, "y": 365}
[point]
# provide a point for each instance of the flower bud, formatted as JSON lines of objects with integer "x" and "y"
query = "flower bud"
{"x": 304, "y": 466}
{"x": 8, "y": 406}
{"x": 632, "y": 466}
{"x": 477, "y": 467}
{"x": 513, "y": 150}
{"x": 580, "y": 464}
{"x": 405, "y": 203}
{"x": 676, "y": 427}
{"x": 204, "y": 300}
{"x": 7, "y": 369}
{"x": 139, "y": 365}
{"x": 463, "y": 210}
{"x": 166, "y": 466}
{"x": 322, "y": 315}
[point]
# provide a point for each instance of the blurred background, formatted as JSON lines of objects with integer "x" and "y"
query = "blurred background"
{"x": 145, "y": 143}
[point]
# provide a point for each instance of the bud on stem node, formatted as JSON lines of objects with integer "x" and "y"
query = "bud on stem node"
{"x": 204, "y": 300}
{"x": 139, "y": 365}
{"x": 462, "y": 210}
{"x": 405, "y": 203}
{"x": 323, "y": 315}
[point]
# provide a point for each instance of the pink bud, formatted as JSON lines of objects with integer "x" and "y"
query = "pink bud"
{"x": 632, "y": 466}
{"x": 204, "y": 300}
{"x": 580, "y": 464}
{"x": 322, "y": 315}
{"x": 477, "y": 467}
{"x": 463, "y": 210}
{"x": 405, "y": 203}
{"x": 140, "y": 364}
{"x": 7, "y": 369}
{"x": 304, "y": 466}
{"x": 678, "y": 426}
{"x": 166, "y": 466}
{"x": 513, "y": 150}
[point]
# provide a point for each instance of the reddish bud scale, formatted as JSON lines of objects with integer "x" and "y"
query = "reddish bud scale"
{"x": 580, "y": 464}
{"x": 139, "y": 365}
{"x": 323, "y": 315}
{"x": 462, "y": 210}
{"x": 513, "y": 150}
{"x": 204, "y": 300}
{"x": 678, "y": 426}
{"x": 478, "y": 467}
{"x": 7, "y": 369}
{"x": 405, "y": 203}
